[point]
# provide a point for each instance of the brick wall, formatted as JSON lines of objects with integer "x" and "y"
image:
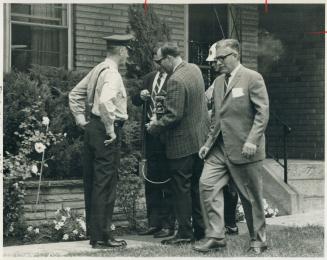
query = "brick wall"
{"x": 248, "y": 20}
{"x": 94, "y": 21}
{"x": 296, "y": 83}
{"x": 66, "y": 193}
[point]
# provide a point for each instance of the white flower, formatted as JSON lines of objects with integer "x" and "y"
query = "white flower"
{"x": 276, "y": 211}
{"x": 34, "y": 169}
{"x": 36, "y": 231}
{"x": 39, "y": 147}
{"x": 45, "y": 121}
{"x": 113, "y": 227}
{"x": 16, "y": 185}
{"x": 265, "y": 204}
{"x": 270, "y": 211}
{"x": 83, "y": 225}
{"x": 65, "y": 237}
{"x": 65, "y": 134}
{"x": 63, "y": 218}
{"x": 61, "y": 223}
{"x": 240, "y": 209}
{"x": 11, "y": 228}
{"x": 30, "y": 228}
{"x": 57, "y": 227}
{"x": 67, "y": 209}
{"x": 57, "y": 212}
{"x": 81, "y": 236}
{"x": 75, "y": 232}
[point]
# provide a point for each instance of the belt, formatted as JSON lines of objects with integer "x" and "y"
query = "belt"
{"x": 117, "y": 123}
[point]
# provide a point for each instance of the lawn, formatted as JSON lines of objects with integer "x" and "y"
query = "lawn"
{"x": 282, "y": 241}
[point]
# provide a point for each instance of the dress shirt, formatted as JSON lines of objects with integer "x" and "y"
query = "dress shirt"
{"x": 232, "y": 74}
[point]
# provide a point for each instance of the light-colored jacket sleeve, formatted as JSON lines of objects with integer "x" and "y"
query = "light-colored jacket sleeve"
{"x": 77, "y": 99}
{"x": 260, "y": 100}
{"x": 107, "y": 100}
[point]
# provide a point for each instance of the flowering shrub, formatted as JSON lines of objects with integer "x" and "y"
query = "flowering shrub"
{"x": 34, "y": 138}
{"x": 269, "y": 211}
{"x": 68, "y": 225}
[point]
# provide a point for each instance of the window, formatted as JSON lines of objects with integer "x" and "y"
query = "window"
{"x": 39, "y": 35}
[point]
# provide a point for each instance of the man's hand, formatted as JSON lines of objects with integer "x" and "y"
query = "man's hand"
{"x": 249, "y": 150}
{"x": 112, "y": 137}
{"x": 203, "y": 152}
{"x": 81, "y": 122}
{"x": 145, "y": 94}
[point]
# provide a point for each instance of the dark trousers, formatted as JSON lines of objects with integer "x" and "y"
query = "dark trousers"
{"x": 230, "y": 203}
{"x": 158, "y": 197}
{"x": 100, "y": 171}
{"x": 185, "y": 174}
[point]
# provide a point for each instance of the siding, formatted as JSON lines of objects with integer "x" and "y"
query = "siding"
{"x": 94, "y": 21}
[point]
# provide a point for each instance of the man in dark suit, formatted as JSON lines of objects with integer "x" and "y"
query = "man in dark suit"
{"x": 158, "y": 194}
{"x": 235, "y": 148}
{"x": 184, "y": 127}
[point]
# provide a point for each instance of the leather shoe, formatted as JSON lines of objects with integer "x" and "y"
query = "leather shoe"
{"x": 100, "y": 245}
{"x": 257, "y": 250}
{"x": 150, "y": 231}
{"x": 211, "y": 245}
{"x": 115, "y": 243}
{"x": 231, "y": 230}
{"x": 120, "y": 241}
{"x": 177, "y": 241}
{"x": 164, "y": 233}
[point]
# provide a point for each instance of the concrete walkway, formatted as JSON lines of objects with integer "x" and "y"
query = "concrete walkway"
{"x": 134, "y": 241}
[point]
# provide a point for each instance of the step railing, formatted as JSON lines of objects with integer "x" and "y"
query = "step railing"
{"x": 285, "y": 131}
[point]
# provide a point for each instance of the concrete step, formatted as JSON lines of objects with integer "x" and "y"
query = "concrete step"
{"x": 308, "y": 187}
{"x": 312, "y": 203}
{"x": 306, "y": 169}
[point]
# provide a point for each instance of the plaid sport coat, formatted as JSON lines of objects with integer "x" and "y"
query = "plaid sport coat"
{"x": 185, "y": 124}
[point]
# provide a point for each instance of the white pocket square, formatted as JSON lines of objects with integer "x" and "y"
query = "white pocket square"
{"x": 237, "y": 92}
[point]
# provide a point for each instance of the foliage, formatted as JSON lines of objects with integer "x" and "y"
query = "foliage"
{"x": 68, "y": 225}
{"x": 13, "y": 208}
{"x": 129, "y": 189}
{"x": 269, "y": 211}
{"x": 149, "y": 30}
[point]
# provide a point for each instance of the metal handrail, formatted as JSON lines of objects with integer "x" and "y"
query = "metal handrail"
{"x": 286, "y": 130}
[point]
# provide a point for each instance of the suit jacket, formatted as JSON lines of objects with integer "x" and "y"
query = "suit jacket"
{"x": 186, "y": 123}
{"x": 241, "y": 115}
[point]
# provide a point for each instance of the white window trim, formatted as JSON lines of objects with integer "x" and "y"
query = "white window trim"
{"x": 7, "y": 36}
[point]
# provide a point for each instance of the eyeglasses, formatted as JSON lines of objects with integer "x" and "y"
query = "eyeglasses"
{"x": 159, "y": 61}
{"x": 222, "y": 58}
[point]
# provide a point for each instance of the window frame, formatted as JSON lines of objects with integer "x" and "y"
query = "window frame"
{"x": 7, "y": 40}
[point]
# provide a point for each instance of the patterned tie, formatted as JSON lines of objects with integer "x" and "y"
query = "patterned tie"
{"x": 155, "y": 91}
{"x": 227, "y": 76}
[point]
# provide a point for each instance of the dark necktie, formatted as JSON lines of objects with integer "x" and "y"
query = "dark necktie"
{"x": 155, "y": 91}
{"x": 227, "y": 76}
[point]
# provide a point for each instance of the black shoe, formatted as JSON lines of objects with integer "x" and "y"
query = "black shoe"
{"x": 164, "y": 233}
{"x": 120, "y": 241}
{"x": 212, "y": 244}
{"x": 99, "y": 245}
{"x": 257, "y": 250}
{"x": 231, "y": 230}
{"x": 150, "y": 231}
{"x": 177, "y": 241}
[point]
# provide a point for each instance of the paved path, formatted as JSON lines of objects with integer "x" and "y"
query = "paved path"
{"x": 133, "y": 241}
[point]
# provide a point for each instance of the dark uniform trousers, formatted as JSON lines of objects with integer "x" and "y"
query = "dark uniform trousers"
{"x": 185, "y": 173}
{"x": 100, "y": 172}
{"x": 159, "y": 205}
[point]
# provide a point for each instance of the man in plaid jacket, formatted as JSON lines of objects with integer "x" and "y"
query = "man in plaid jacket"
{"x": 184, "y": 127}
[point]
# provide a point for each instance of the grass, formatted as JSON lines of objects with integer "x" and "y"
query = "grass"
{"x": 282, "y": 242}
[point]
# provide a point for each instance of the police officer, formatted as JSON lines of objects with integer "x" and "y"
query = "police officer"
{"x": 99, "y": 105}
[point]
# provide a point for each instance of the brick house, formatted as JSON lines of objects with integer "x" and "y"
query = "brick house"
{"x": 70, "y": 36}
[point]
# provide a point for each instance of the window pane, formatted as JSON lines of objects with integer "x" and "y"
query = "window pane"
{"x": 52, "y": 14}
{"x": 38, "y": 45}
{"x": 39, "y": 35}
